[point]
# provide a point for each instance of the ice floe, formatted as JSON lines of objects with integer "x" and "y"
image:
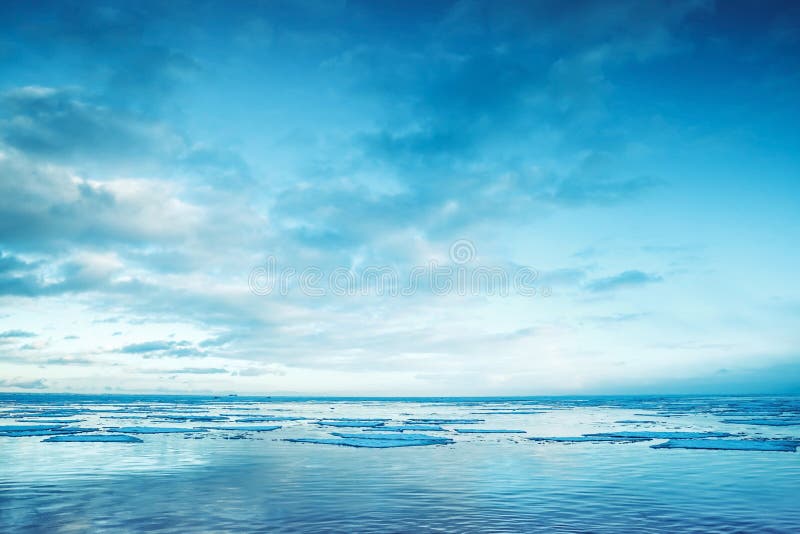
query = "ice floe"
{"x": 487, "y": 431}
{"x": 268, "y": 419}
{"x": 16, "y": 428}
{"x": 351, "y": 424}
{"x": 154, "y": 430}
{"x": 48, "y": 413}
{"x": 588, "y": 439}
{"x": 88, "y": 438}
{"x": 730, "y": 444}
{"x": 392, "y": 437}
{"x": 376, "y": 441}
{"x": 51, "y": 421}
{"x": 662, "y": 435}
{"x": 403, "y": 428}
{"x": 254, "y": 428}
{"x": 188, "y": 419}
{"x": 508, "y": 412}
{"x": 634, "y": 421}
{"x": 46, "y": 432}
{"x": 763, "y": 422}
{"x": 432, "y": 421}
{"x": 365, "y": 443}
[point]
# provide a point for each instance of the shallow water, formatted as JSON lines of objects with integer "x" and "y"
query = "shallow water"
{"x": 235, "y": 481}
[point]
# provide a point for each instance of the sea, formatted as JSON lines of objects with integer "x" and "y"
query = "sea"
{"x": 216, "y": 464}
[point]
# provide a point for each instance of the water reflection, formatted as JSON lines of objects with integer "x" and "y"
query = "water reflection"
{"x": 481, "y": 482}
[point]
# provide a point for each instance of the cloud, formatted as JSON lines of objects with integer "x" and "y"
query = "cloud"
{"x": 86, "y": 271}
{"x": 106, "y": 44}
{"x": 11, "y": 264}
{"x": 598, "y": 192}
{"x": 261, "y": 371}
{"x": 219, "y": 341}
{"x": 56, "y": 123}
{"x": 161, "y": 348}
{"x": 197, "y": 371}
{"x": 148, "y": 346}
{"x": 51, "y": 208}
{"x": 624, "y": 279}
{"x": 68, "y": 361}
{"x": 39, "y": 383}
{"x": 617, "y": 318}
{"x": 9, "y": 334}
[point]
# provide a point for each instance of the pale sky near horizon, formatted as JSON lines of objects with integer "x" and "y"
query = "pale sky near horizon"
{"x": 643, "y": 158}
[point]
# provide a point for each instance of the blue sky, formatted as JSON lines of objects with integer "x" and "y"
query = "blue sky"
{"x": 642, "y": 157}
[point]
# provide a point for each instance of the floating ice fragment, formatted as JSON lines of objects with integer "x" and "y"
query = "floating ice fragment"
{"x": 351, "y": 424}
{"x": 730, "y": 445}
{"x": 356, "y": 419}
{"x": 589, "y": 439}
{"x": 374, "y": 443}
{"x": 269, "y": 419}
{"x": 763, "y": 422}
{"x": 154, "y": 430}
{"x": 487, "y": 431}
{"x": 365, "y": 443}
{"x": 102, "y": 438}
{"x": 46, "y": 432}
{"x": 444, "y": 421}
{"x": 415, "y": 428}
{"x": 16, "y": 428}
{"x": 635, "y": 421}
{"x": 662, "y": 435}
{"x": 509, "y": 412}
{"x": 393, "y": 437}
{"x": 50, "y": 421}
{"x": 49, "y": 413}
{"x": 188, "y": 418}
{"x": 243, "y": 428}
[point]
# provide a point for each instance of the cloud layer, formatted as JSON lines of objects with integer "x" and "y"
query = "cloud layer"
{"x": 152, "y": 155}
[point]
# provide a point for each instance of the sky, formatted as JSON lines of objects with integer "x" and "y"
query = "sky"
{"x": 184, "y": 184}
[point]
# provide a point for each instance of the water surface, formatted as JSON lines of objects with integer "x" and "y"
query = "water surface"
{"x": 229, "y": 479}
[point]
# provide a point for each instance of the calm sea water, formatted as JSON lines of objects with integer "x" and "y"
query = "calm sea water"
{"x": 238, "y": 481}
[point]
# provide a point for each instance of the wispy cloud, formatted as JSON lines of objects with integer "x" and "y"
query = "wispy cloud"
{"x": 161, "y": 348}
{"x": 14, "y": 334}
{"x": 622, "y": 280}
{"x": 39, "y": 383}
